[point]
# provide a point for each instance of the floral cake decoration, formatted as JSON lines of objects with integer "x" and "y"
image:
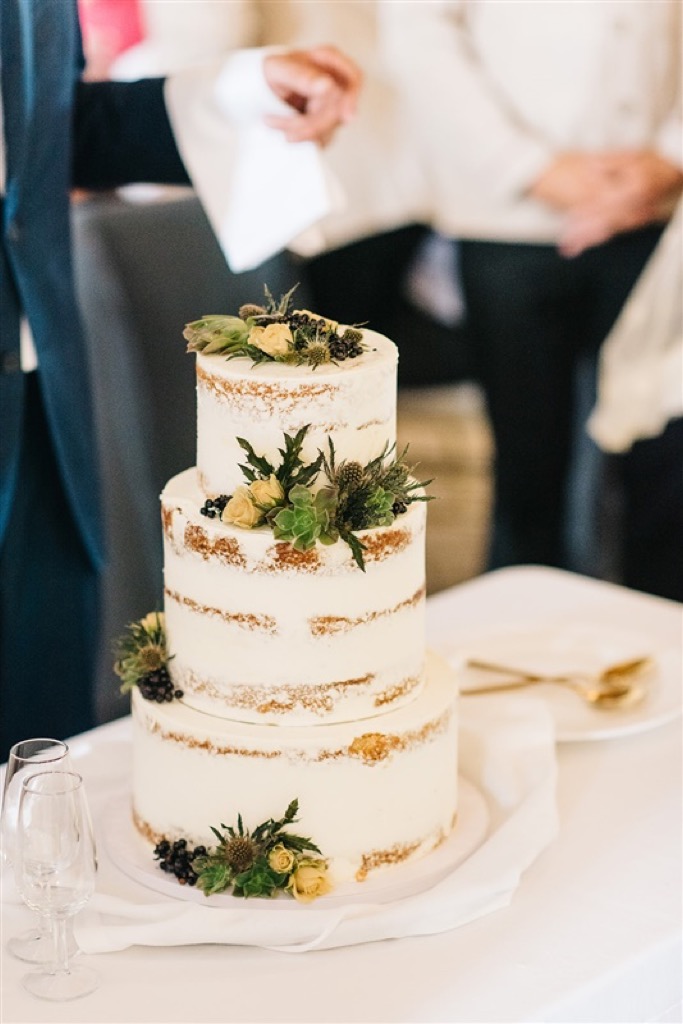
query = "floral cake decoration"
{"x": 261, "y": 863}
{"x": 142, "y": 659}
{"x": 355, "y": 497}
{"x": 274, "y": 332}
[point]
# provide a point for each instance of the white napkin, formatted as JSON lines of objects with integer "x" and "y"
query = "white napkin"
{"x": 507, "y": 752}
{"x": 640, "y": 384}
{"x": 260, "y": 193}
{"x": 555, "y": 648}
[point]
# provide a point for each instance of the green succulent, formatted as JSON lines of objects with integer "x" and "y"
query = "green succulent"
{"x": 379, "y": 507}
{"x": 310, "y": 518}
{"x": 213, "y": 334}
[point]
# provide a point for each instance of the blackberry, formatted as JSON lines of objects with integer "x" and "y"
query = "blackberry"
{"x": 158, "y": 686}
{"x": 213, "y": 507}
{"x": 176, "y": 859}
{"x": 296, "y": 320}
{"x": 399, "y": 507}
{"x": 348, "y": 346}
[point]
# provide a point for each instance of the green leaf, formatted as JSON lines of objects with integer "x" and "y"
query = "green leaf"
{"x": 291, "y": 457}
{"x": 258, "y": 462}
{"x": 298, "y": 843}
{"x": 357, "y": 547}
{"x": 291, "y": 812}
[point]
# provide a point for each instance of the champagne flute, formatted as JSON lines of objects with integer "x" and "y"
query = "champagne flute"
{"x": 55, "y": 873}
{"x": 26, "y": 758}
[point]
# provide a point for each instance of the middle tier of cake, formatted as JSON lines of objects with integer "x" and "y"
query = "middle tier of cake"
{"x": 259, "y": 632}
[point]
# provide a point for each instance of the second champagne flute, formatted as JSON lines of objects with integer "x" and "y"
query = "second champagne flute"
{"x": 55, "y": 869}
{"x": 26, "y": 757}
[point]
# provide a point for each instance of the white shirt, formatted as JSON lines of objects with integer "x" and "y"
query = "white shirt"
{"x": 493, "y": 90}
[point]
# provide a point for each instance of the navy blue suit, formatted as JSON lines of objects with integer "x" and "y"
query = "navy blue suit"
{"x": 59, "y": 133}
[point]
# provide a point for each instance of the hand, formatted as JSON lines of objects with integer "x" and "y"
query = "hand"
{"x": 320, "y": 84}
{"x": 643, "y": 189}
{"x": 570, "y": 180}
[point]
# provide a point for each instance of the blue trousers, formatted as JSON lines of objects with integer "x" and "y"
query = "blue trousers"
{"x": 48, "y": 600}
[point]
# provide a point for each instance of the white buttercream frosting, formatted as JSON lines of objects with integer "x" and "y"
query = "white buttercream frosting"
{"x": 370, "y": 793}
{"x": 303, "y": 676}
{"x": 353, "y": 403}
{"x": 260, "y": 633}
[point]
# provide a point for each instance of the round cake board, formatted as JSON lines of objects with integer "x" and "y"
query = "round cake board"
{"x": 133, "y": 856}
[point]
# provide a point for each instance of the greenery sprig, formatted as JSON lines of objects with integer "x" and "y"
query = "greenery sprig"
{"x": 274, "y": 332}
{"x": 142, "y": 659}
{"x": 291, "y": 472}
{"x": 354, "y": 498}
{"x": 259, "y": 863}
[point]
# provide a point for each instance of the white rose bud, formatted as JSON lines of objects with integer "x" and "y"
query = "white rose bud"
{"x": 241, "y": 510}
{"x": 274, "y": 340}
{"x": 267, "y": 493}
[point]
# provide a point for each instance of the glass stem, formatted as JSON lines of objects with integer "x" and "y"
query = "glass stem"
{"x": 60, "y": 935}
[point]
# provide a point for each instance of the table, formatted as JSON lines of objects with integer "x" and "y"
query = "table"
{"x": 593, "y": 933}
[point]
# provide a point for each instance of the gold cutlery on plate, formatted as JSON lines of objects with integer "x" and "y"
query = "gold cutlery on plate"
{"x": 617, "y": 686}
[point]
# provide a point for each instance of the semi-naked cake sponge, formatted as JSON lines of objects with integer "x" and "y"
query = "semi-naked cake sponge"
{"x": 302, "y": 668}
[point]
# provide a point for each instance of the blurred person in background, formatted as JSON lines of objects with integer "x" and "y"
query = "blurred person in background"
{"x": 358, "y": 267}
{"x": 551, "y": 135}
{"x": 59, "y": 132}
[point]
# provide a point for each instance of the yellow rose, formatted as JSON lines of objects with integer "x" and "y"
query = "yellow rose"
{"x": 281, "y": 859}
{"x": 241, "y": 510}
{"x": 309, "y": 881}
{"x": 274, "y": 340}
{"x": 332, "y": 325}
{"x": 152, "y": 621}
{"x": 267, "y": 493}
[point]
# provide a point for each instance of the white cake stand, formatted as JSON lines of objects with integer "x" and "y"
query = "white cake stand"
{"x": 133, "y": 856}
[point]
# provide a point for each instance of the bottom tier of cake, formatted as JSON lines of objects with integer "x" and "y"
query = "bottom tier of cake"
{"x": 371, "y": 793}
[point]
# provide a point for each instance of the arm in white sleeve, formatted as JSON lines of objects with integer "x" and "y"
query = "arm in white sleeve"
{"x": 461, "y": 120}
{"x": 259, "y": 192}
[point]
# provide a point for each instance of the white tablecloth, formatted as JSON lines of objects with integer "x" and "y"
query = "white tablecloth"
{"x": 593, "y": 932}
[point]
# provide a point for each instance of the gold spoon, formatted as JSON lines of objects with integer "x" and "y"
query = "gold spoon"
{"x": 614, "y": 687}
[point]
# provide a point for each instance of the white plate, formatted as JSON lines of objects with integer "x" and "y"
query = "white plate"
{"x": 129, "y": 852}
{"x": 557, "y": 648}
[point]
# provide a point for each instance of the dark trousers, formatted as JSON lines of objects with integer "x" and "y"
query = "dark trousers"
{"x": 533, "y": 316}
{"x": 48, "y": 600}
{"x": 364, "y": 283}
{"x": 649, "y": 480}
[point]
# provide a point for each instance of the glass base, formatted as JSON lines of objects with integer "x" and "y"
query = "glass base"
{"x": 37, "y": 947}
{"x": 72, "y": 984}
{"x": 33, "y": 947}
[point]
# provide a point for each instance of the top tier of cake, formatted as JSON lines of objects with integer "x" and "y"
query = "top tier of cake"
{"x": 353, "y": 403}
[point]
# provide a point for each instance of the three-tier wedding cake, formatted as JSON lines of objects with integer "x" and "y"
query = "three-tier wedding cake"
{"x": 294, "y": 600}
